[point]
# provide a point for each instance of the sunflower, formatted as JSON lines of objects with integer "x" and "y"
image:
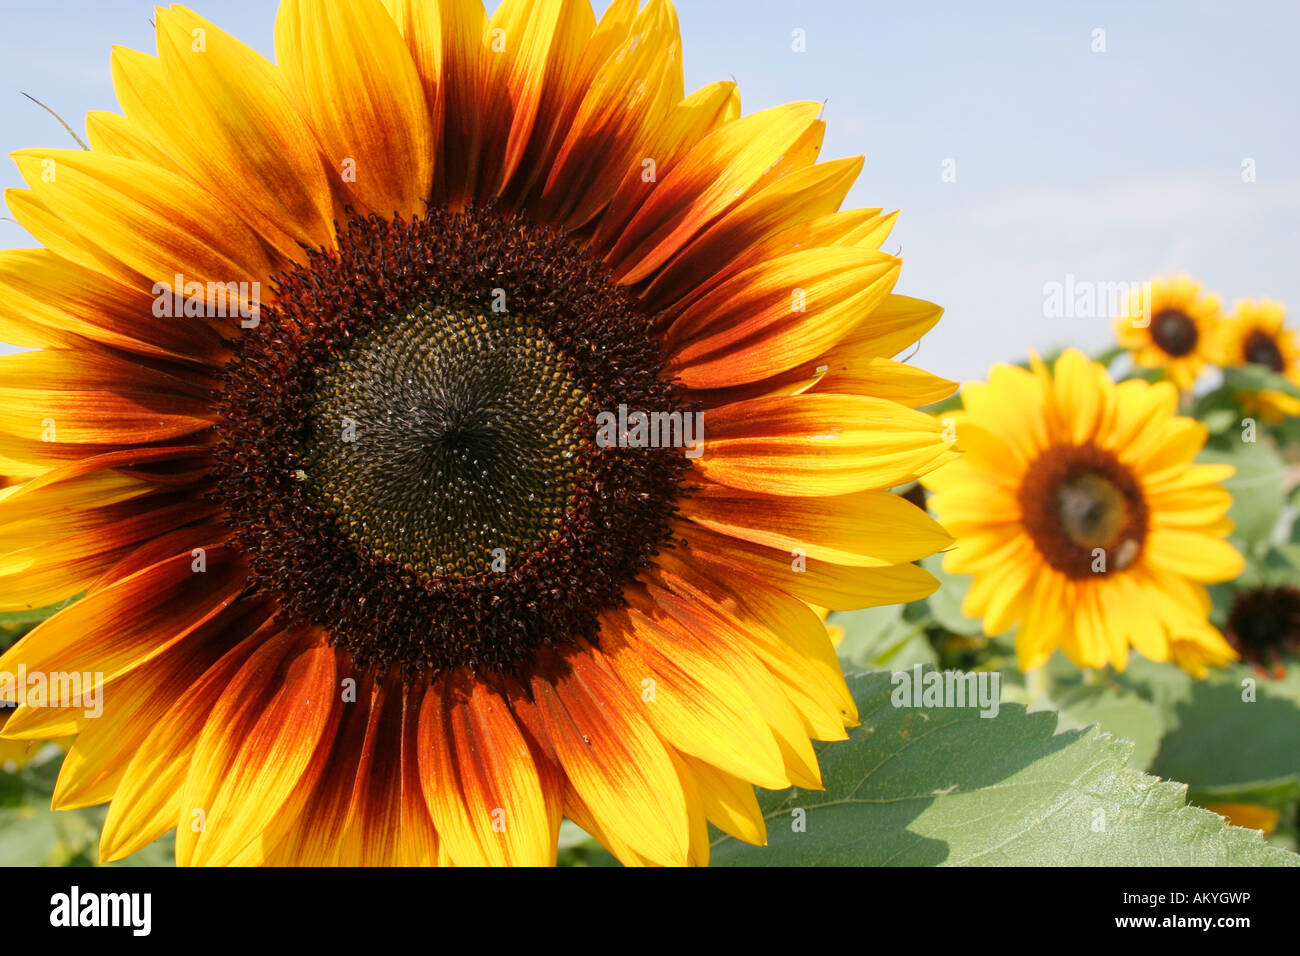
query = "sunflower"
{"x": 1078, "y": 510}
{"x": 1257, "y": 334}
{"x": 1200, "y": 650}
{"x": 450, "y": 426}
{"x": 1264, "y": 626}
{"x": 1170, "y": 325}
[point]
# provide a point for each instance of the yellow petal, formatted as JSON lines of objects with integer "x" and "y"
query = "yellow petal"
{"x": 354, "y": 77}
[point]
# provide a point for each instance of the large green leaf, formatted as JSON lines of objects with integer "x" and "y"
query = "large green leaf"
{"x": 1224, "y": 745}
{"x": 930, "y": 785}
{"x": 1117, "y": 709}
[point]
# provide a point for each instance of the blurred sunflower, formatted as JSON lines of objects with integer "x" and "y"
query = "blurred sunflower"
{"x": 363, "y": 584}
{"x": 1170, "y": 325}
{"x": 1252, "y": 816}
{"x": 1078, "y": 510}
{"x": 1264, "y": 626}
{"x": 1198, "y": 651}
{"x": 1257, "y": 334}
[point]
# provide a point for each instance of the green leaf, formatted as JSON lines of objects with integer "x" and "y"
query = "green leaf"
{"x": 31, "y": 616}
{"x": 28, "y": 836}
{"x": 880, "y": 637}
{"x": 1227, "y": 749}
{"x": 1219, "y": 420}
{"x": 945, "y": 603}
{"x": 1146, "y": 374}
{"x": 31, "y": 834}
{"x": 1257, "y": 378}
{"x": 1256, "y": 488}
{"x": 1117, "y": 710}
{"x": 929, "y": 786}
{"x": 1272, "y": 565}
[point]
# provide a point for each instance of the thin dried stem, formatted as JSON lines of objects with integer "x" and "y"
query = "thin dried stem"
{"x": 62, "y": 122}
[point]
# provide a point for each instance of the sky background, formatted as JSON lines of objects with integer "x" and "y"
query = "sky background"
{"x": 1111, "y": 166}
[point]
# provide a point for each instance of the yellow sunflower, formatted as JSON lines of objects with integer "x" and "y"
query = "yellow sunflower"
{"x": 1078, "y": 510}
{"x": 1257, "y": 334}
{"x": 451, "y": 425}
{"x": 1170, "y": 325}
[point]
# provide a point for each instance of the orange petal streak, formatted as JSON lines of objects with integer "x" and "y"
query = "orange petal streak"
{"x": 479, "y": 777}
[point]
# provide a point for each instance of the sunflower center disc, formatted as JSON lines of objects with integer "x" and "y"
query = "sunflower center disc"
{"x": 1083, "y": 510}
{"x": 447, "y": 439}
{"x": 407, "y": 449}
{"x": 1266, "y": 621}
{"x": 1092, "y": 510}
{"x": 1261, "y": 349}
{"x": 1174, "y": 331}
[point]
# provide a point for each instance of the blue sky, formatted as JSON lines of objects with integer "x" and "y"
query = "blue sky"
{"x": 1110, "y": 166}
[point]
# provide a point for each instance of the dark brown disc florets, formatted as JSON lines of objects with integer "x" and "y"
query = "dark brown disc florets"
{"x": 446, "y": 439}
{"x": 1084, "y": 510}
{"x": 1175, "y": 332}
{"x": 1264, "y": 625}
{"x": 1260, "y": 348}
{"x": 406, "y": 449}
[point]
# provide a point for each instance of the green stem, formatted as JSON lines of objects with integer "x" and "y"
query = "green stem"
{"x": 1038, "y": 684}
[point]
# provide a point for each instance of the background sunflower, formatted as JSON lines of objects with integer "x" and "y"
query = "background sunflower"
{"x": 1257, "y": 336}
{"x": 1078, "y": 510}
{"x": 1170, "y": 325}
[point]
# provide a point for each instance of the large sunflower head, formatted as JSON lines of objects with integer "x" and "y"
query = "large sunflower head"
{"x": 450, "y": 425}
{"x": 1170, "y": 325}
{"x": 1257, "y": 334}
{"x": 1078, "y": 510}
